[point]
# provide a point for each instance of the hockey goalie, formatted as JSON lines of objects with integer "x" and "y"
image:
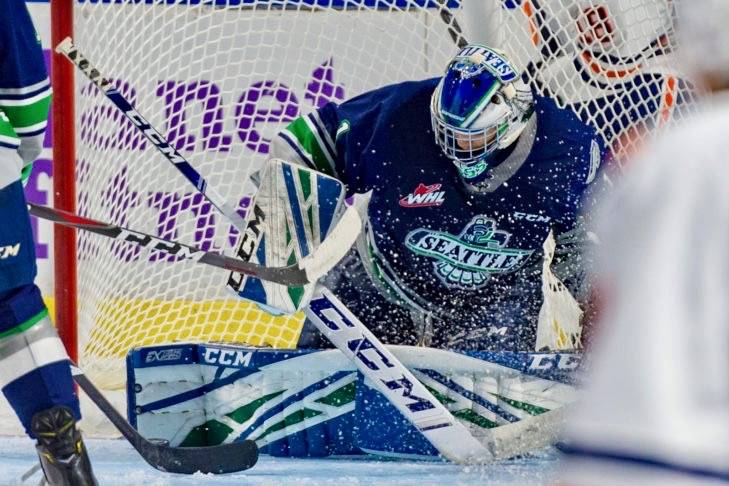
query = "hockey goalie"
{"x": 473, "y": 239}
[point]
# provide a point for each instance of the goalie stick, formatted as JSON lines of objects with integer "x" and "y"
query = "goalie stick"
{"x": 306, "y": 271}
{"x": 398, "y": 384}
{"x": 220, "y": 459}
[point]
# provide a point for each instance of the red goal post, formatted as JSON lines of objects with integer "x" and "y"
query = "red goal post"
{"x": 220, "y": 77}
{"x": 64, "y": 194}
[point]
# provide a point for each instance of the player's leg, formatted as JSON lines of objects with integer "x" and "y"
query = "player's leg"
{"x": 34, "y": 370}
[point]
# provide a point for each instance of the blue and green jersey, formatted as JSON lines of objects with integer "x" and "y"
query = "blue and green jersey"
{"x": 469, "y": 259}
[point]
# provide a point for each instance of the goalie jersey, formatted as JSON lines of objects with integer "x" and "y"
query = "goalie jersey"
{"x": 449, "y": 265}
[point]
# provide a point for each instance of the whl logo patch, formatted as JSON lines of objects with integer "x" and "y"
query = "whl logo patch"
{"x": 467, "y": 260}
{"x": 424, "y": 196}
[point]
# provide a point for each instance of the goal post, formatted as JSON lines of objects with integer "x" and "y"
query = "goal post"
{"x": 64, "y": 183}
{"x": 220, "y": 77}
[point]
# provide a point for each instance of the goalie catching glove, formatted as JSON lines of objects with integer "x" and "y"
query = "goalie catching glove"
{"x": 295, "y": 211}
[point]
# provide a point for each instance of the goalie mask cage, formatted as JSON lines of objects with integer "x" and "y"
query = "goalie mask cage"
{"x": 220, "y": 77}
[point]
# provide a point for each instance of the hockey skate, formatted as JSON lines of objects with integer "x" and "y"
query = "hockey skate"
{"x": 62, "y": 453}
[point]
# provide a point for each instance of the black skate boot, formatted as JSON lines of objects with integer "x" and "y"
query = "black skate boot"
{"x": 61, "y": 450}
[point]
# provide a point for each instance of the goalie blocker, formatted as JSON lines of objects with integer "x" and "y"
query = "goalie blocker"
{"x": 315, "y": 403}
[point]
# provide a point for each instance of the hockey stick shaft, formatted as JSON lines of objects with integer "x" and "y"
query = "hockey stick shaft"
{"x": 72, "y": 53}
{"x": 398, "y": 384}
{"x": 391, "y": 378}
{"x": 226, "y": 458}
{"x": 27, "y": 475}
{"x": 292, "y": 275}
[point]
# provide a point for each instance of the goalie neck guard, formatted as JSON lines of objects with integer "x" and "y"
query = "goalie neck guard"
{"x": 480, "y": 106}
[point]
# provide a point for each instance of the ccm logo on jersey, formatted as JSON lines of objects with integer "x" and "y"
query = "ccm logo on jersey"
{"x": 227, "y": 357}
{"x": 9, "y": 251}
{"x": 544, "y": 362}
{"x": 537, "y": 218}
{"x": 424, "y": 196}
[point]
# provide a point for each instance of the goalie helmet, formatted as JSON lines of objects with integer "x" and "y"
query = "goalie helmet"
{"x": 480, "y": 106}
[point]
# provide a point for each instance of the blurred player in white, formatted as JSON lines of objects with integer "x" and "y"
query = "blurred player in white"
{"x": 656, "y": 406}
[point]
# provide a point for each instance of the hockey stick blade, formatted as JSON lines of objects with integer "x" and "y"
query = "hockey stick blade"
{"x": 292, "y": 275}
{"x": 220, "y": 459}
{"x": 527, "y": 435}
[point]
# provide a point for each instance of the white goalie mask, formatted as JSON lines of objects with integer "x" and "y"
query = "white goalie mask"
{"x": 481, "y": 105}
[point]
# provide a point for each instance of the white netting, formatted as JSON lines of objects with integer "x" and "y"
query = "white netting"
{"x": 220, "y": 78}
{"x": 614, "y": 62}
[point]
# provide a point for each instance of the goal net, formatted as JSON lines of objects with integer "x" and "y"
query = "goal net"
{"x": 220, "y": 77}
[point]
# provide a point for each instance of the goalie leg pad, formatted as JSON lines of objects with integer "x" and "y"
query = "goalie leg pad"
{"x": 296, "y": 402}
{"x": 305, "y": 403}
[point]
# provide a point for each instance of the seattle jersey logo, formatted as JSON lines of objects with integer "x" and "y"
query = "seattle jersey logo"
{"x": 467, "y": 260}
{"x": 424, "y": 196}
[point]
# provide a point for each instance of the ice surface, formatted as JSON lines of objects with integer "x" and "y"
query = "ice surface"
{"x": 116, "y": 463}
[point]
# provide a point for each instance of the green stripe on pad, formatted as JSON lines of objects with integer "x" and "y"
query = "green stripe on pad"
{"x": 528, "y": 408}
{"x": 26, "y": 325}
{"x": 296, "y": 294}
{"x": 305, "y": 180}
{"x": 210, "y": 433}
{"x": 474, "y": 418}
{"x": 440, "y": 396}
{"x": 340, "y": 396}
{"x": 242, "y": 414}
{"x": 290, "y": 420}
{"x": 214, "y": 432}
